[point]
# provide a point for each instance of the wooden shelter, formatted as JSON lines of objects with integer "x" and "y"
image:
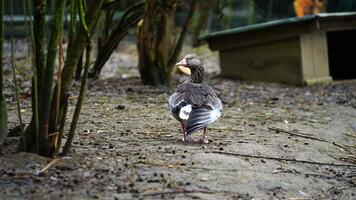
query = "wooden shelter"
{"x": 298, "y": 50}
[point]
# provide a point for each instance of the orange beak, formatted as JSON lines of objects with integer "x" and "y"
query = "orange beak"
{"x": 182, "y": 66}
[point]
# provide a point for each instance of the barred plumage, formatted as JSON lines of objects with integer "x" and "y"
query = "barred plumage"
{"x": 193, "y": 104}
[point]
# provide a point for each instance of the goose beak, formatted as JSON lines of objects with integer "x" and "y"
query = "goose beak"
{"x": 182, "y": 66}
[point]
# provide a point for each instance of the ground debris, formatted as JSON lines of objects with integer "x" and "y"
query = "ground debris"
{"x": 128, "y": 147}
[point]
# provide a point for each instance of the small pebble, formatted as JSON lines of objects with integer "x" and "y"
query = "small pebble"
{"x": 120, "y": 107}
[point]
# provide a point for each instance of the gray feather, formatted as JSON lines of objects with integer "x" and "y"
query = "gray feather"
{"x": 199, "y": 118}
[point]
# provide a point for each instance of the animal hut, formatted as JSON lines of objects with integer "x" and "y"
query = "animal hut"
{"x": 298, "y": 50}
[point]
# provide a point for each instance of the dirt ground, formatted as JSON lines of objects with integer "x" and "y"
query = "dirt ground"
{"x": 274, "y": 141}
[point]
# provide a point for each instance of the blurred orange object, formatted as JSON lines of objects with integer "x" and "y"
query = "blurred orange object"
{"x": 306, "y": 7}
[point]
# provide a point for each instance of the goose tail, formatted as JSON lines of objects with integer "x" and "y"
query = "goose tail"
{"x": 200, "y": 118}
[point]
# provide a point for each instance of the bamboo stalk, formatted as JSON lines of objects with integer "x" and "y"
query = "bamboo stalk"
{"x": 78, "y": 107}
{"x": 38, "y": 65}
{"x": 59, "y": 72}
{"x": 34, "y": 79}
{"x": 57, "y": 142}
{"x": 39, "y": 29}
{"x": 13, "y": 68}
{"x": 48, "y": 78}
{"x": 73, "y": 54}
{"x": 25, "y": 11}
{"x": 3, "y": 111}
{"x": 82, "y": 20}
{"x": 59, "y": 121}
{"x": 83, "y": 85}
{"x": 61, "y": 129}
{"x": 73, "y": 23}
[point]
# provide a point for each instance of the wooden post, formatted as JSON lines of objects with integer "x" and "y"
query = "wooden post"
{"x": 314, "y": 57}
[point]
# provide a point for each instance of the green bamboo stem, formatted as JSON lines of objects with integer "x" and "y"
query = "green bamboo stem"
{"x": 77, "y": 47}
{"x": 3, "y": 111}
{"x": 14, "y": 70}
{"x": 56, "y": 119}
{"x": 61, "y": 130}
{"x": 78, "y": 107}
{"x": 78, "y": 71}
{"x": 35, "y": 81}
{"x": 83, "y": 85}
{"x": 27, "y": 16}
{"x": 73, "y": 22}
{"x": 59, "y": 71}
{"x": 82, "y": 20}
{"x": 74, "y": 53}
{"x": 39, "y": 29}
{"x": 30, "y": 141}
{"x": 47, "y": 87}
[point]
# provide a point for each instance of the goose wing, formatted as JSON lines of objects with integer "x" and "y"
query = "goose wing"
{"x": 205, "y": 103}
{"x": 197, "y": 95}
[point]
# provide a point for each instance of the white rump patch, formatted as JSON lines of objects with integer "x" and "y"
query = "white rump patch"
{"x": 214, "y": 115}
{"x": 185, "y": 111}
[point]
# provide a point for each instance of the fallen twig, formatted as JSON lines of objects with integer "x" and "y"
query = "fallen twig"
{"x": 213, "y": 169}
{"x": 279, "y": 130}
{"x": 49, "y": 165}
{"x": 283, "y": 159}
{"x": 148, "y": 162}
{"x": 350, "y": 135}
{"x": 293, "y": 171}
{"x": 178, "y": 191}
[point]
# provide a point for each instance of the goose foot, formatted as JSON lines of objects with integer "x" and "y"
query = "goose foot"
{"x": 203, "y": 140}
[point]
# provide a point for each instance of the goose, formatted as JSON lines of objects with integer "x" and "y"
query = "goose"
{"x": 194, "y": 104}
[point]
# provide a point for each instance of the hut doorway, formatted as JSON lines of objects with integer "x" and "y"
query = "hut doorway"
{"x": 342, "y": 57}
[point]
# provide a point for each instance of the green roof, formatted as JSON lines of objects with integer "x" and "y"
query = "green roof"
{"x": 291, "y": 20}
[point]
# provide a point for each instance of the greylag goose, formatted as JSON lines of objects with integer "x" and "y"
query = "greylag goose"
{"x": 194, "y": 104}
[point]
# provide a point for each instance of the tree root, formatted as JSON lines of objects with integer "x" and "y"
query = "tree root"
{"x": 302, "y": 135}
{"x": 284, "y": 159}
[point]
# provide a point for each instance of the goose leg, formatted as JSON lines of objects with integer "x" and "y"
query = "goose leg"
{"x": 204, "y": 139}
{"x": 184, "y": 133}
